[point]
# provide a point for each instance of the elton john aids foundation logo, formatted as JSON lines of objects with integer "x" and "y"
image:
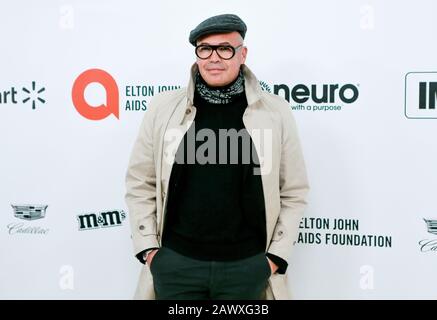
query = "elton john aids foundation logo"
{"x": 101, "y": 111}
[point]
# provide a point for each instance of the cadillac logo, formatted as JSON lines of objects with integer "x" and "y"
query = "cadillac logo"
{"x": 432, "y": 226}
{"x": 427, "y": 245}
{"x": 29, "y": 212}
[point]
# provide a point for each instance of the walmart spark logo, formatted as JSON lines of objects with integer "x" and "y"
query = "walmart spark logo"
{"x": 33, "y": 95}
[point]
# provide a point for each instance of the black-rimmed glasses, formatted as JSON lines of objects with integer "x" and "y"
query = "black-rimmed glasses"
{"x": 204, "y": 51}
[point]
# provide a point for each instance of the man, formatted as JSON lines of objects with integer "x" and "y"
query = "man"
{"x": 216, "y": 183}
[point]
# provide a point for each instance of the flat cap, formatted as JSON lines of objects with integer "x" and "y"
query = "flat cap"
{"x": 222, "y": 23}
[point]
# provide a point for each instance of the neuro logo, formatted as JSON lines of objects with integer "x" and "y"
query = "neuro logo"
{"x": 315, "y": 97}
{"x": 112, "y": 96}
{"x": 265, "y": 86}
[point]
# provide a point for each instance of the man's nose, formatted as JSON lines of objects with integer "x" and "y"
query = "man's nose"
{"x": 214, "y": 56}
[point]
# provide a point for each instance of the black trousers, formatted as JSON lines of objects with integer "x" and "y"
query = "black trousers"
{"x": 178, "y": 277}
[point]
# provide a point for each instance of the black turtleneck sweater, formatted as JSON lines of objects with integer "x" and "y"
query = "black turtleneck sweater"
{"x": 216, "y": 209}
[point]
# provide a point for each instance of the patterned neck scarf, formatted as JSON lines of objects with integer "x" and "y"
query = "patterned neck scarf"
{"x": 220, "y": 95}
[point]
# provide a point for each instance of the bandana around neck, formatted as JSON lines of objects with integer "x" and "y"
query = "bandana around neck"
{"x": 220, "y": 95}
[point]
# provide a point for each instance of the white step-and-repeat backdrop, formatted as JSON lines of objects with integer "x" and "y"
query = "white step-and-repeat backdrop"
{"x": 360, "y": 77}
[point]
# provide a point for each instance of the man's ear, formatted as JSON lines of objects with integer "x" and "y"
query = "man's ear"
{"x": 244, "y": 54}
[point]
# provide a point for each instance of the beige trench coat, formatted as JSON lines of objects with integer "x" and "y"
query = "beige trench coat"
{"x": 283, "y": 172}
